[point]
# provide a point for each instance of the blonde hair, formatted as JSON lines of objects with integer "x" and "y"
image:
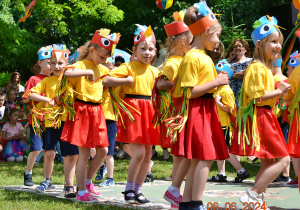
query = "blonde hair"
{"x": 259, "y": 54}
{"x": 85, "y": 50}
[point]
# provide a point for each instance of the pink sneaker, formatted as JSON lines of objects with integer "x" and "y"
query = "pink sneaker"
{"x": 173, "y": 206}
{"x": 86, "y": 198}
{"x": 92, "y": 190}
{"x": 172, "y": 199}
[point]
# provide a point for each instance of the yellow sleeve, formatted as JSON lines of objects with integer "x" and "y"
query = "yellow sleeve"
{"x": 189, "y": 77}
{"x": 77, "y": 65}
{"x": 293, "y": 90}
{"x": 121, "y": 72}
{"x": 254, "y": 87}
{"x": 40, "y": 87}
{"x": 170, "y": 71}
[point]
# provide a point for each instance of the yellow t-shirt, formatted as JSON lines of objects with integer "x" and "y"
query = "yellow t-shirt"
{"x": 143, "y": 76}
{"x": 86, "y": 91}
{"x": 195, "y": 69}
{"x": 227, "y": 99}
{"x": 171, "y": 66}
{"x": 258, "y": 81}
{"x": 294, "y": 81}
{"x": 278, "y": 78}
{"x": 49, "y": 86}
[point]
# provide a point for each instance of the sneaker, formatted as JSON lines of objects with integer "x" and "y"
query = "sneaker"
{"x": 129, "y": 199}
{"x": 107, "y": 183}
{"x": 240, "y": 177}
{"x": 149, "y": 178}
{"x": 28, "y": 180}
{"x": 43, "y": 187}
{"x": 169, "y": 178}
{"x": 202, "y": 207}
{"x": 282, "y": 179}
{"x": 172, "y": 199}
{"x": 101, "y": 173}
{"x": 92, "y": 190}
{"x": 218, "y": 178}
{"x": 293, "y": 182}
{"x": 86, "y": 198}
{"x": 251, "y": 197}
{"x": 140, "y": 198}
{"x": 70, "y": 192}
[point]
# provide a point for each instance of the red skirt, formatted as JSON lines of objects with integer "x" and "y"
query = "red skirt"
{"x": 141, "y": 129}
{"x": 293, "y": 146}
{"x": 204, "y": 137}
{"x": 88, "y": 128}
{"x": 165, "y": 142}
{"x": 272, "y": 143}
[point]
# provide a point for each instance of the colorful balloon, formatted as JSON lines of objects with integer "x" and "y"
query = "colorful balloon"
{"x": 164, "y": 4}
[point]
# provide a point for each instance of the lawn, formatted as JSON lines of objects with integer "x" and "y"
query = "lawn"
{"x": 12, "y": 174}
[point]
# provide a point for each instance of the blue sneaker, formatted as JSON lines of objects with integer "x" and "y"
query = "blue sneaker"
{"x": 43, "y": 187}
{"x": 101, "y": 173}
{"x": 107, "y": 183}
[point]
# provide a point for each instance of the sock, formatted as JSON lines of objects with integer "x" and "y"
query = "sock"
{"x": 28, "y": 172}
{"x": 174, "y": 191}
{"x": 222, "y": 174}
{"x": 137, "y": 188}
{"x": 241, "y": 171}
{"x": 88, "y": 181}
{"x": 284, "y": 176}
{"x": 185, "y": 204}
{"x": 130, "y": 186}
{"x": 110, "y": 178}
{"x": 196, "y": 204}
{"x": 82, "y": 192}
{"x": 47, "y": 179}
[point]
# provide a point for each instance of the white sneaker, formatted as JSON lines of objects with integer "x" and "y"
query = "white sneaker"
{"x": 252, "y": 197}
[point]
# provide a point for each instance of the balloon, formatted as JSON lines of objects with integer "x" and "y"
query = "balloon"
{"x": 164, "y": 4}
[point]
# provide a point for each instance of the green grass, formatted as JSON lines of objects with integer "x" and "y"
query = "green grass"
{"x": 12, "y": 174}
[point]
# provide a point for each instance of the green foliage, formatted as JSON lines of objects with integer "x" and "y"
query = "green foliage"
{"x": 4, "y": 76}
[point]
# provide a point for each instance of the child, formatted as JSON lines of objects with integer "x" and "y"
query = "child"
{"x": 44, "y": 54}
{"x": 88, "y": 130}
{"x": 2, "y": 107}
{"x": 137, "y": 78}
{"x": 54, "y": 125}
{"x": 12, "y": 134}
{"x": 225, "y": 101}
{"x": 179, "y": 39}
{"x": 197, "y": 80}
{"x": 10, "y": 102}
{"x": 6, "y": 87}
{"x": 255, "y": 115}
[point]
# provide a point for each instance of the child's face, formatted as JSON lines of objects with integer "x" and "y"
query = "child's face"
{"x": 16, "y": 79}
{"x": 16, "y": 91}
{"x": 45, "y": 66}
{"x": 2, "y": 100}
{"x": 99, "y": 56}
{"x": 36, "y": 69}
{"x": 272, "y": 48}
{"x": 289, "y": 70}
{"x": 21, "y": 114}
{"x": 58, "y": 66}
{"x": 211, "y": 39}
{"x": 215, "y": 53}
{"x": 144, "y": 52}
{"x": 7, "y": 87}
{"x": 14, "y": 117}
{"x": 11, "y": 96}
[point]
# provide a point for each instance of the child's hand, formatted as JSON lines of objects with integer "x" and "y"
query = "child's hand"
{"x": 91, "y": 76}
{"x": 57, "y": 100}
{"x": 283, "y": 87}
{"x": 231, "y": 56}
{"x": 222, "y": 79}
{"x": 130, "y": 80}
{"x": 218, "y": 100}
{"x": 52, "y": 102}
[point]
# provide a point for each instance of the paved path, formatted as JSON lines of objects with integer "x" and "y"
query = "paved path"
{"x": 278, "y": 196}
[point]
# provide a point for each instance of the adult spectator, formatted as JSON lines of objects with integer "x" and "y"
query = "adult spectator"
{"x": 15, "y": 78}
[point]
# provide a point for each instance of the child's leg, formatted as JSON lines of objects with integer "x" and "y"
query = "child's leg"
{"x": 269, "y": 173}
{"x": 235, "y": 162}
{"x": 96, "y": 162}
{"x": 127, "y": 149}
{"x": 48, "y": 163}
{"x": 110, "y": 166}
{"x": 221, "y": 166}
{"x": 296, "y": 166}
{"x": 200, "y": 177}
{"x": 181, "y": 171}
{"x": 69, "y": 169}
{"x": 144, "y": 167}
{"x": 81, "y": 168}
{"x": 264, "y": 164}
{"x": 187, "y": 194}
{"x": 139, "y": 152}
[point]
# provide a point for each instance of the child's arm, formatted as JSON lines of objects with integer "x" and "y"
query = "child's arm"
{"x": 164, "y": 84}
{"x": 218, "y": 99}
{"x": 37, "y": 97}
{"x": 114, "y": 81}
{"x": 79, "y": 73}
{"x": 199, "y": 90}
{"x": 279, "y": 92}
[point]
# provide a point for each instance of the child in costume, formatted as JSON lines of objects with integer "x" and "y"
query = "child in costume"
{"x": 36, "y": 137}
{"x": 293, "y": 96}
{"x": 198, "y": 122}
{"x": 12, "y": 135}
{"x": 54, "y": 124}
{"x": 88, "y": 128}
{"x": 255, "y": 115}
{"x": 225, "y": 101}
{"x": 137, "y": 79}
{"x": 178, "y": 43}
{"x": 2, "y": 107}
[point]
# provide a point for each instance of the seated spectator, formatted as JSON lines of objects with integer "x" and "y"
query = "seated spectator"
{"x": 2, "y": 107}
{"x": 15, "y": 78}
{"x": 6, "y": 87}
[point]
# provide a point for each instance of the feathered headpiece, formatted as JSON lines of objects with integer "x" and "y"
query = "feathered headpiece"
{"x": 293, "y": 59}
{"x": 263, "y": 27}
{"x": 45, "y": 54}
{"x": 108, "y": 41}
{"x": 208, "y": 19}
{"x": 178, "y": 26}
{"x": 60, "y": 51}
{"x": 142, "y": 33}
{"x": 223, "y": 65}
